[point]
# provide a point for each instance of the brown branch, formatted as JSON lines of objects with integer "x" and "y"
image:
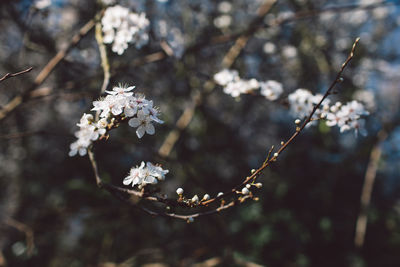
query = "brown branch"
{"x": 99, "y": 181}
{"x": 10, "y": 75}
{"x": 266, "y": 163}
{"x": 369, "y": 180}
{"x": 29, "y": 236}
{"x": 103, "y": 56}
{"x": 117, "y": 191}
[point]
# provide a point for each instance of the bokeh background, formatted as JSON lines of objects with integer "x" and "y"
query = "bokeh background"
{"x": 52, "y": 213}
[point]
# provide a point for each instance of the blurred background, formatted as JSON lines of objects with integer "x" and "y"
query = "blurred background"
{"x": 53, "y": 214}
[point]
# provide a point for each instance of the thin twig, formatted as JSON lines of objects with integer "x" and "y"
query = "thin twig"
{"x": 368, "y": 185}
{"x": 118, "y": 191}
{"x": 296, "y": 133}
{"x": 103, "y": 57}
{"x": 29, "y": 236}
{"x": 99, "y": 181}
{"x": 10, "y": 75}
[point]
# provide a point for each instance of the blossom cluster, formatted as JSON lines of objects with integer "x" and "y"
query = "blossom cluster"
{"x": 302, "y": 102}
{"x": 235, "y": 86}
{"x": 118, "y": 102}
{"x": 120, "y": 27}
{"x": 346, "y": 117}
{"x": 145, "y": 174}
{"x": 89, "y": 132}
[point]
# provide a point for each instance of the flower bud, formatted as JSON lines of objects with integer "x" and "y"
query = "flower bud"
{"x": 179, "y": 191}
{"x": 297, "y": 121}
{"x": 195, "y": 199}
{"x": 220, "y": 194}
{"x": 206, "y": 197}
{"x": 245, "y": 191}
{"x": 258, "y": 185}
{"x": 248, "y": 186}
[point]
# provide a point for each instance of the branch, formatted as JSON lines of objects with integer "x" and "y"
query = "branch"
{"x": 266, "y": 163}
{"x": 369, "y": 180}
{"x": 103, "y": 56}
{"x": 29, "y": 236}
{"x": 122, "y": 193}
{"x": 9, "y": 75}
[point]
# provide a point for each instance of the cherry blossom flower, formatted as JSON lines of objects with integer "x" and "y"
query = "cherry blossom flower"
{"x": 143, "y": 122}
{"x": 156, "y": 171}
{"x": 120, "y": 27}
{"x": 271, "y": 89}
{"x": 348, "y": 117}
{"x": 120, "y": 102}
{"x": 121, "y": 90}
{"x": 145, "y": 174}
{"x": 135, "y": 176}
{"x": 226, "y": 76}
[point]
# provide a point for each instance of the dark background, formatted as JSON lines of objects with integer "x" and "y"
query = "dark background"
{"x": 310, "y": 199}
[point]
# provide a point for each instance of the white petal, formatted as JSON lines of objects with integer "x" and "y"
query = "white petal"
{"x": 72, "y": 152}
{"x": 134, "y": 122}
{"x": 150, "y": 180}
{"x": 130, "y": 112}
{"x": 116, "y": 110}
{"x": 140, "y": 131}
{"x": 82, "y": 151}
{"x": 127, "y": 180}
{"x": 150, "y": 128}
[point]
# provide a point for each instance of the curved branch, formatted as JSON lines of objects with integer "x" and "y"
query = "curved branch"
{"x": 182, "y": 202}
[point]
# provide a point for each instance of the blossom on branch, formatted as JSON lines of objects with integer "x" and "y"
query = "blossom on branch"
{"x": 271, "y": 89}
{"x": 145, "y": 174}
{"x": 346, "y": 117}
{"x": 119, "y": 103}
{"x": 120, "y": 27}
{"x": 235, "y": 86}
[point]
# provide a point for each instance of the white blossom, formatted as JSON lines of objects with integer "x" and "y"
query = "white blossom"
{"x": 239, "y": 87}
{"x": 156, "y": 171}
{"x": 135, "y": 176}
{"x": 118, "y": 102}
{"x": 348, "y": 117}
{"x": 271, "y": 89}
{"x": 120, "y": 27}
{"x": 145, "y": 174}
{"x": 226, "y": 76}
{"x": 143, "y": 124}
{"x": 88, "y": 132}
{"x": 302, "y": 103}
{"x": 121, "y": 90}
{"x": 233, "y": 85}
